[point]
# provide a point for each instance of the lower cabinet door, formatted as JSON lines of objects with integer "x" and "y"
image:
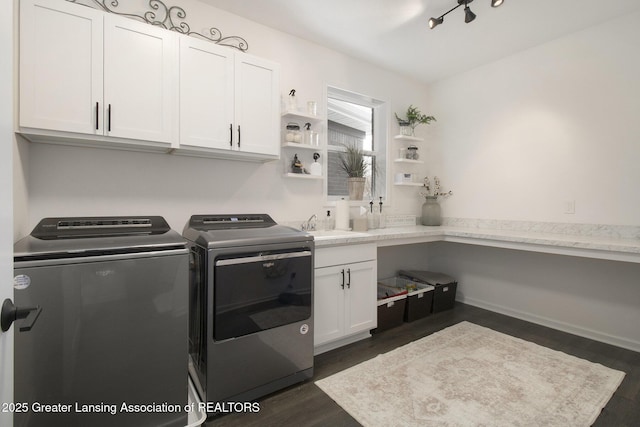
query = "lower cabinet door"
{"x": 360, "y": 298}
{"x": 328, "y": 304}
{"x": 344, "y": 300}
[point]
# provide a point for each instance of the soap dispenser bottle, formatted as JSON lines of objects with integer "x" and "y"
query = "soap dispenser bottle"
{"x": 372, "y": 218}
{"x": 310, "y": 137}
{"x": 328, "y": 222}
{"x": 292, "y": 104}
{"x": 382, "y": 220}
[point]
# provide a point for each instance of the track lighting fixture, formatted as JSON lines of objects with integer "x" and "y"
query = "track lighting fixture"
{"x": 436, "y": 21}
{"x": 468, "y": 14}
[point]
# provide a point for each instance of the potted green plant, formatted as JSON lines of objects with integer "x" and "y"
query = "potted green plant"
{"x": 414, "y": 117}
{"x": 352, "y": 161}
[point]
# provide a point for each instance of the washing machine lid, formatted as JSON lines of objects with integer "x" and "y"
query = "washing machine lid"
{"x": 216, "y": 231}
{"x": 89, "y": 236}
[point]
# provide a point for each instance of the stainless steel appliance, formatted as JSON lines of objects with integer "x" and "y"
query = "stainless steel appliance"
{"x": 112, "y": 297}
{"x": 251, "y": 314}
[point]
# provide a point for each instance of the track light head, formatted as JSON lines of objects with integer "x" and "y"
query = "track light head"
{"x": 468, "y": 14}
{"x": 434, "y": 22}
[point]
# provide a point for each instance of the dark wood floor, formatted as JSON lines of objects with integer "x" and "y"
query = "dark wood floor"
{"x": 306, "y": 405}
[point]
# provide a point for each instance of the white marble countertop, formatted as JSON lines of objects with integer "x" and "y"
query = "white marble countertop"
{"x": 601, "y": 247}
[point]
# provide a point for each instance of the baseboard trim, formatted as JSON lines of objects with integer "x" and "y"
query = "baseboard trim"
{"x": 323, "y": 348}
{"x": 555, "y": 324}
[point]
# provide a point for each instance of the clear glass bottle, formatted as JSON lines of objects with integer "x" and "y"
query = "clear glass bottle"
{"x": 329, "y": 223}
{"x": 292, "y": 103}
{"x": 382, "y": 221}
{"x": 310, "y": 136}
{"x": 371, "y": 218}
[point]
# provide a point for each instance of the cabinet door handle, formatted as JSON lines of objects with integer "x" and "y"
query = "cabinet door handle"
{"x": 342, "y": 284}
{"x": 109, "y": 118}
{"x": 238, "y": 136}
{"x": 349, "y": 278}
{"x": 97, "y": 117}
{"x": 230, "y": 134}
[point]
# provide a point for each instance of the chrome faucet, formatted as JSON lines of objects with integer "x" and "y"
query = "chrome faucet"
{"x": 310, "y": 224}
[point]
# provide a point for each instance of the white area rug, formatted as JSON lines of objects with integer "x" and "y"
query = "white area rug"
{"x": 468, "y": 375}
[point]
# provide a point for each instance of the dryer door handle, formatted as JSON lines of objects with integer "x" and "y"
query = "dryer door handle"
{"x": 10, "y": 313}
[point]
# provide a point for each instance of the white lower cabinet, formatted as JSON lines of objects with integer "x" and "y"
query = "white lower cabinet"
{"x": 344, "y": 295}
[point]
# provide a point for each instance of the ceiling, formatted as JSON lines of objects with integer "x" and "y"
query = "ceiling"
{"x": 394, "y": 34}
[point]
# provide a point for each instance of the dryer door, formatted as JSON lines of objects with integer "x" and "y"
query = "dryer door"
{"x": 260, "y": 291}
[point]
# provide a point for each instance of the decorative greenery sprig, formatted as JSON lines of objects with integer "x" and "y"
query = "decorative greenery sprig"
{"x": 415, "y": 118}
{"x": 437, "y": 190}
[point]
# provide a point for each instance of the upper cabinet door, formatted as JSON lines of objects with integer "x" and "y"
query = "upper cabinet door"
{"x": 60, "y": 66}
{"x": 140, "y": 83}
{"x": 206, "y": 94}
{"x": 257, "y": 108}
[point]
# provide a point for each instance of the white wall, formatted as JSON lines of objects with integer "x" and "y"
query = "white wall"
{"x": 558, "y": 122}
{"x": 594, "y": 298}
{"x": 73, "y": 181}
{"x": 519, "y": 137}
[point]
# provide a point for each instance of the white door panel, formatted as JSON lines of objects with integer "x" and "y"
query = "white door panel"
{"x": 61, "y": 66}
{"x": 6, "y": 200}
{"x": 140, "y": 80}
{"x": 328, "y": 303}
{"x": 361, "y": 297}
{"x": 206, "y": 94}
{"x": 257, "y": 105}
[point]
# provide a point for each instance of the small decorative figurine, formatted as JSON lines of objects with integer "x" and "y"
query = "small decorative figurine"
{"x": 296, "y": 165}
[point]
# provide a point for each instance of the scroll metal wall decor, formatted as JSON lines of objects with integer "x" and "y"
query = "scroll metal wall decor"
{"x": 172, "y": 18}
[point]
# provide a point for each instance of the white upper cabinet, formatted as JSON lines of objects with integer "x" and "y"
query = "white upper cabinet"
{"x": 257, "y": 107}
{"x": 229, "y": 101}
{"x": 206, "y": 94}
{"x": 140, "y": 80}
{"x": 87, "y": 76}
{"x": 84, "y": 71}
{"x": 61, "y": 67}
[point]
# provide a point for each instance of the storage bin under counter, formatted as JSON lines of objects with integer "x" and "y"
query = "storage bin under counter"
{"x": 444, "y": 294}
{"x": 419, "y": 296}
{"x": 391, "y": 306}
